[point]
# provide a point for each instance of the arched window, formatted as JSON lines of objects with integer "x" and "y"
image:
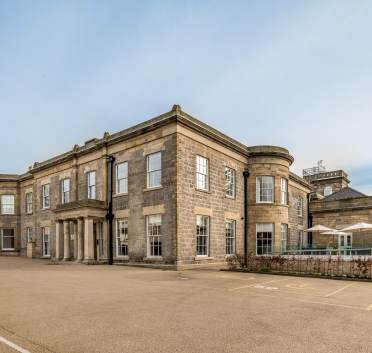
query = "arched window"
{"x": 328, "y": 190}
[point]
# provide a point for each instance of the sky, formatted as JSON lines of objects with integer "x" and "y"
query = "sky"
{"x": 296, "y": 74}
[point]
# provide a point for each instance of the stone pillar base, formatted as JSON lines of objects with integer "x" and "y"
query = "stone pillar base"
{"x": 90, "y": 262}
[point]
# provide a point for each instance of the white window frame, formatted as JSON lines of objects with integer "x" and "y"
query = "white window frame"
{"x": 300, "y": 206}
{"x": 202, "y": 232}
{"x": 29, "y": 234}
{"x": 45, "y": 237}
{"x": 92, "y": 191}
{"x": 122, "y": 180}
{"x": 230, "y": 233}
{"x": 65, "y": 190}
{"x": 202, "y": 173}
{"x": 230, "y": 182}
{"x": 284, "y": 191}
{"x": 328, "y": 190}
{"x": 2, "y": 239}
{"x": 263, "y": 193}
{"x": 121, "y": 239}
{"x": 29, "y": 203}
{"x": 156, "y": 172}
{"x": 154, "y": 235}
{"x": 8, "y": 206}
{"x": 45, "y": 196}
{"x": 265, "y": 228}
{"x": 284, "y": 237}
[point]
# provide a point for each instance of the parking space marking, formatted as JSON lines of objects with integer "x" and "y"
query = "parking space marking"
{"x": 13, "y": 345}
{"x": 298, "y": 286}
{"x": 354, "y": 307}
{"x": 257, "y": 284}
{"x": 337, "y": 291}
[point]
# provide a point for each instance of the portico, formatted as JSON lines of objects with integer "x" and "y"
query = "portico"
{"x": 81, "y": 232}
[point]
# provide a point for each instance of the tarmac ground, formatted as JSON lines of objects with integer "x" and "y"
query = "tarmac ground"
{"x": 73, "y": 308}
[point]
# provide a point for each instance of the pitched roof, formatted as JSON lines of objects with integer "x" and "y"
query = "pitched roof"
{"x": 344, "y": 193}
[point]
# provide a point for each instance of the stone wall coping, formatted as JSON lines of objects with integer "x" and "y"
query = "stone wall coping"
{"x": 356, "y": 203}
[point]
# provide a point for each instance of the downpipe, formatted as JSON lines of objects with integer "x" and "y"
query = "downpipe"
{"x": 110, "y": 215}
{"x": 246, "y": 176}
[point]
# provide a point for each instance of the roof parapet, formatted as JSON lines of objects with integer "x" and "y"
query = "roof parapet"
{"x": 268, "y": 150}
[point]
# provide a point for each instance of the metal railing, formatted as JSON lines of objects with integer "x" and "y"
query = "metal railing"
{"x": 330, "y": 252}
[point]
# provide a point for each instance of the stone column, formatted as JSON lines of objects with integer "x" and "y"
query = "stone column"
{"x": 105, "y": 241}
{"x": 59, "y": 240}
{"x": 88, "y": 240}
{"x": 80, "y": 239}
{"x": 73, "y": 241}
{"x": 66, "y": 236}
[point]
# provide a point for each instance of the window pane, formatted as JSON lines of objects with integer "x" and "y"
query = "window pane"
{"x": 154, "y": 170}
{"x": 122, "y": 237}
{"x": 202, "y": 235}
{"x": 264, "y": 237}
{"x": 265, "y": 189}
{"x": 154, "y": 162}
{"x": 92, "y": 185}
{"x": 230, "y": 237}
{"x": 201, "y": 173}
{"x": 154, "y": 235}
{"x": 8, "y": 239}
{"x": 230, "y": 182}
{"x": 7, "y": 204}
{"x": 122, "y": 178}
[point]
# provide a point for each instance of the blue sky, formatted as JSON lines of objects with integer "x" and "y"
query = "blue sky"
{"x": 291, "y": 73}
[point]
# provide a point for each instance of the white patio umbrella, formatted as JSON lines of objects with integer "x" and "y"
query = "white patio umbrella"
{"x": 318, "y": 228}
{"x": 358, "y": 227}
{"x": 334, "y": 232}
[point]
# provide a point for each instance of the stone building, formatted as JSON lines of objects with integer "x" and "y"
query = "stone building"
{"x": 336, "y": 205}
{"x": 183, "y": 193}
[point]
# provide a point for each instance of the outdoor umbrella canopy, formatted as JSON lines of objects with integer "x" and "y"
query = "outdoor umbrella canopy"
{"x": 319, "y": 228}
{"x": 334, "y": 232}
{"x": 357, "y": 226}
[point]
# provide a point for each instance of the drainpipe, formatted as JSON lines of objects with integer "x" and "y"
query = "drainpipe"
{"x": 110, "y": 215}
{"x": 246, "y": 176}
{"x": 309, "y": 218}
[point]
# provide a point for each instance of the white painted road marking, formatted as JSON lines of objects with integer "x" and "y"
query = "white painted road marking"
{"x": 256, "y": 284}
{"x": 260, "y": 286}
{"x": 298, "y": 286}
{"x": 337, "y": 291}
{"x": 13, "y": 345}
{"x": 370, "y": 308}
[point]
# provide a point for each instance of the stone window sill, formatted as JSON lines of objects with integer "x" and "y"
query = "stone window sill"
{"x": 202, "y": 190}
{"x": 154, "y": 188}
{"x": 121, "y": 194}
{"x": 123, "y": 257}
{"x": 153, "y": 258}
{"x": 201, "y": 257}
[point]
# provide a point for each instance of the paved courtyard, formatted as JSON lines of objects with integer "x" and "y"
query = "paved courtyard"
{"x": 75, "y": 308}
